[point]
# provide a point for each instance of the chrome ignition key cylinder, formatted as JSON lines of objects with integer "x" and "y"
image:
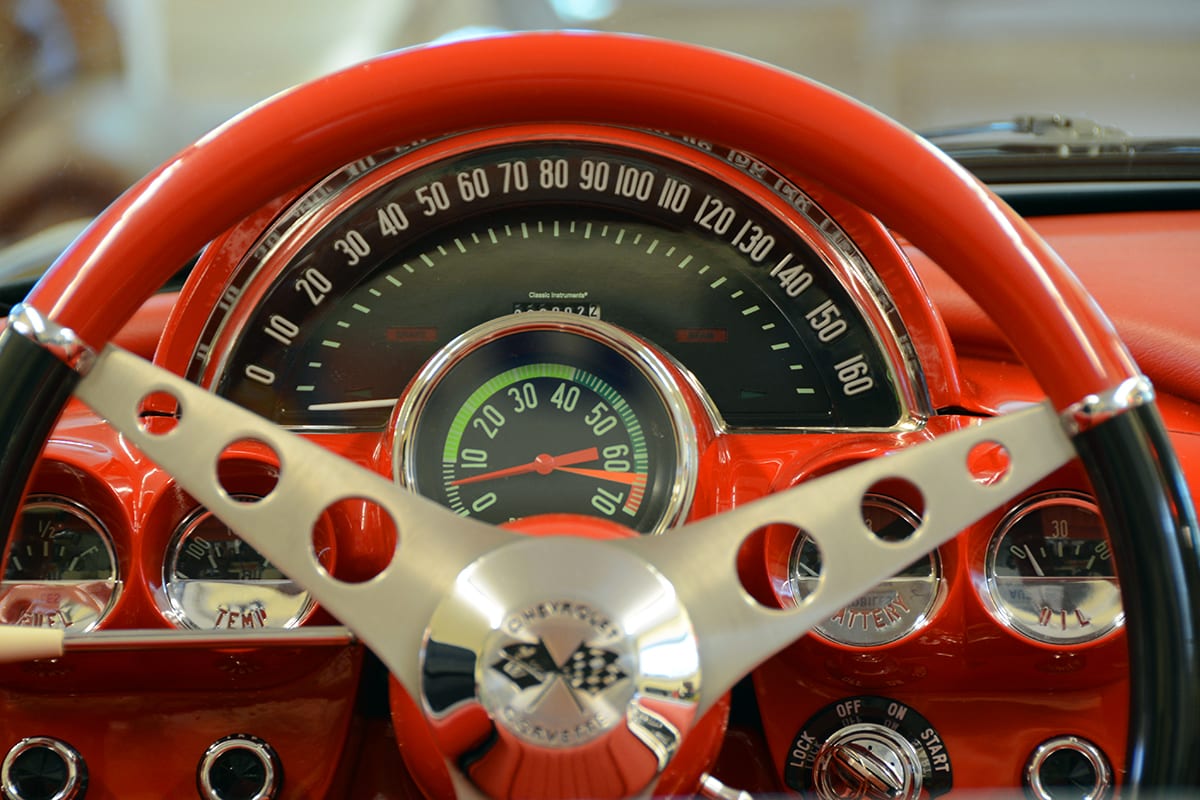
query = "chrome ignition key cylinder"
{"x": 868, "y": 747}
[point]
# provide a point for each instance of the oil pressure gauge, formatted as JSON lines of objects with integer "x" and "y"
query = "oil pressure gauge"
{"x": 1049, "y": 573}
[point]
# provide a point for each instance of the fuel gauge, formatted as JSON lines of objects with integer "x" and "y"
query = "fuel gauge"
{"x": 1049, "y": 571}
{"x": 60, "y": 571}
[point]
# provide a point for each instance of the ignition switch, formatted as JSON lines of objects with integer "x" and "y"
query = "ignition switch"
{"x": 868, "y": 747}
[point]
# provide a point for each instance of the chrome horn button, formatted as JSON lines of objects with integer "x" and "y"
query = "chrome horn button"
{"x": 572, "y": 648}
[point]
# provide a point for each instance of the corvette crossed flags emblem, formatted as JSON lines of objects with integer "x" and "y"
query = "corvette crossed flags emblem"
{"x": 589, "y": 669}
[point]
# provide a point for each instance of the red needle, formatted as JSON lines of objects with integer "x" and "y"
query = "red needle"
{"x": 544, "y": 464}
{"x": 631, "y": 478}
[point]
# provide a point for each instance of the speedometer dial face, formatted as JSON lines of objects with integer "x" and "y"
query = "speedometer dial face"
{"x": 539, "y": 413}
{"x": 374, "y": 271}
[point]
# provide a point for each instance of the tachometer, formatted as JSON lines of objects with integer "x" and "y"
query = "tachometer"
{"x": 728, "y": 268}
{"x": 545, "y": 413}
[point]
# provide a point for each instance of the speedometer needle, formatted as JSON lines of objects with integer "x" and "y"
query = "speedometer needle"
{"x": 544, "y": 464}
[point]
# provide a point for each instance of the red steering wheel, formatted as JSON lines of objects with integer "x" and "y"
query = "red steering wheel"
{"x": 684, "y": 582}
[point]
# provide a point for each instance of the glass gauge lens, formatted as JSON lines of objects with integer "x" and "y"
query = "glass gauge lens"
{"x": 60, "y": 571}
{"x": 214, "y": 580}
{"x": 540, "y": 414}
{"x": 1050, "y": 574}
{"x": 404, "y": 261}
{"x": 895, "y": 607}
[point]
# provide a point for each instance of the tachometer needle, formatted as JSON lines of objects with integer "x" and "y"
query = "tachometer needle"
{"x": 544, "y": 464}
{"x": 631, "y": 478}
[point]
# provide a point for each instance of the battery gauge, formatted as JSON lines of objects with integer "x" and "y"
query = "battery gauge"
{"x": 892, "y": 609}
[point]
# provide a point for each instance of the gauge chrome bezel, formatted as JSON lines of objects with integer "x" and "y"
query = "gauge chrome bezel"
{"x": 644, "y": 358}
{"x": 919, "y": 620}
{"x": 1102, "y": 785}
{"x": 94, "y": 523}
{"x": 990, "y": 593}
{"x": 310, "y": 211}
{"x": 174, "y": 610}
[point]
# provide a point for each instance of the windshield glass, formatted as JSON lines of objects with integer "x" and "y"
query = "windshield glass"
{"x": 94, "y": 94}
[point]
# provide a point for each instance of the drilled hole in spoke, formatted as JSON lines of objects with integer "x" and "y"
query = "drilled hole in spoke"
{"x": 989, "y": 463}
{"x": 893, "y": 509}
{"x": 248, "y": 468}
{"x": 762, "y": 565}
{"x": 363, "y": 534}
{"x": 159, "y": 413}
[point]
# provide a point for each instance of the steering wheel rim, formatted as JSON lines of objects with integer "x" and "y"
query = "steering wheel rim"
{"x": 131, "y": 249}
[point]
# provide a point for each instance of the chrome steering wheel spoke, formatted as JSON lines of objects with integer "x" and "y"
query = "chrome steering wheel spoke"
{"x": 562, "y": 641}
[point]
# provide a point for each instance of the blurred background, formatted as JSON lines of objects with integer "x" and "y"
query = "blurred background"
{"x": 94, "y": 93}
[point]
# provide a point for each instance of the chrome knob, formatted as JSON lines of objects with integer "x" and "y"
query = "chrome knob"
{"x": 867, "y": 761}
{"x": 43, "y": 767}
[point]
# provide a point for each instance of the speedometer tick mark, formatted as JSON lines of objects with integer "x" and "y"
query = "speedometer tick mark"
{"x": 314, "y": 364}
{"x": 751, "y": 310}
{"x": 492, "y": 236}
{"x": 442, "y": 250}
{"x": 736, "y": 294}
{"x": 620, "y": 235}
{"x": 305, "y": 388}
{"x": 795, "y": 367}
{"x": 428, "y": 261}
{"x": 781, "y": 346}
{"x": 670, "y": 252}
{"x": 651, "y": 248}
{"x": 343, "y": 324}
{"x": 683, "y": 264}
{"x": 394, "y": 281}
{"x": 770, "y": 326}
{"x": 571, "y": 227}
{"x": 556, "y": 228}
{"x": 475, "y": 238}
{"x": 637, "y": 239}
{"x": 462, "y": 248}
{"x": 715, "y": 283}
{"x": 805, "y": 390}
{"x": 331, "y": 343}
{"x": 541, "y": 226}
{"x": 375, "y": 293}
{"x": 705, "y": 269}
{"x": 524, "y": 231}
{"x": 604, "y": 232}
{"x": 587, "y": 231}
{"x": 360, "y": 308}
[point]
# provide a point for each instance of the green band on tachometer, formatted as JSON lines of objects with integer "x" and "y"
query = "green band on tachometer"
{"x": 502, "y": 381}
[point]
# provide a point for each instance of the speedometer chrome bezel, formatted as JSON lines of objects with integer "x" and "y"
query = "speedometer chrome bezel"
{"x": 248, "y": 281}
{"x": 648, "y": 363}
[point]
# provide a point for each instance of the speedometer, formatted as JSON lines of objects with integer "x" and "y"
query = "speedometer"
{"x": 749, "y": 286}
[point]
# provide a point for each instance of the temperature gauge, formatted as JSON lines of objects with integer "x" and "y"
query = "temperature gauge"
{"x": 1049, "y": 572}
{"x": 60, "y": 571}
{"x": 212, "y": 579}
